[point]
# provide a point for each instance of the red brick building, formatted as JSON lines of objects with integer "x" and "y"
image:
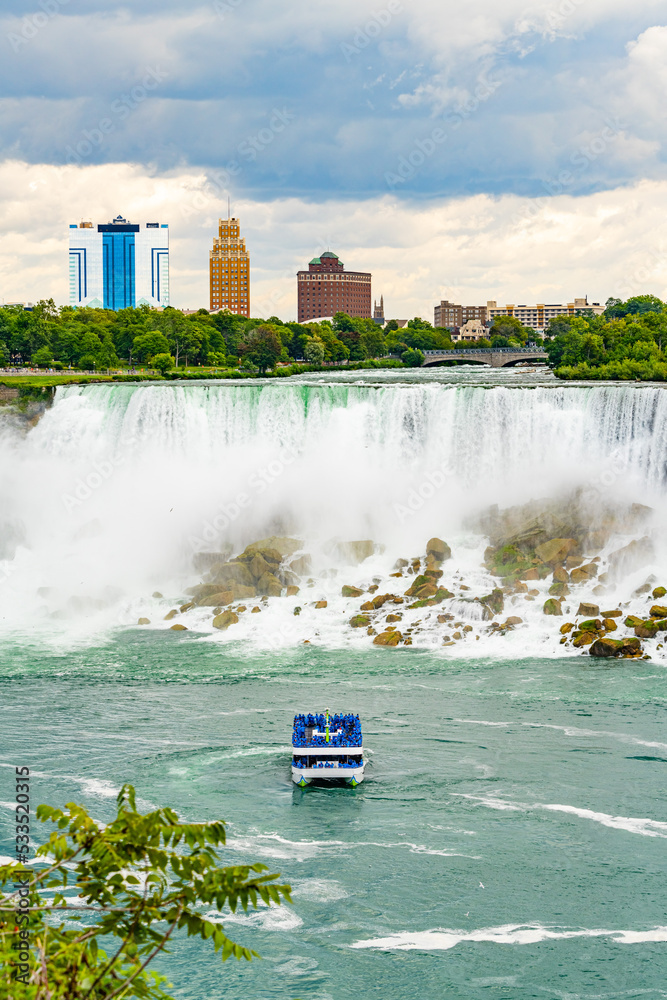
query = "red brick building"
{"x": 327, "y": 288}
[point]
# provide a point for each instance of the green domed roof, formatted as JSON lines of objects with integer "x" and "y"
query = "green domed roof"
{"x": 328, "y": 253}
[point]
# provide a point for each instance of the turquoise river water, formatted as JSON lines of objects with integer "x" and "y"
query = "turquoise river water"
{"x": 510, "y": 838}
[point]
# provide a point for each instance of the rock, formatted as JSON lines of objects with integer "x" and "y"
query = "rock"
{"x": 144, "y": 621}
{"x": 658, "y": 611}
{"x": 158, "y": 595}
{"x": 556, "y": 550}
{"x": 514, "y": 620}
{"x": 606, "y": 647}
{"x": 553, "y": 607}
{"x": 631, "y": 557}
{"x": 582, "y": 574}
{"x": 421, "y": 581}
{"x": 273, "y": 549}
{"x": 292, "y": 591}
{"x": 591, "y": 610}
{"x": 662, "y": 625}
{"x": 530, "y": 574}
{"x": 583, "y": 639}
{"x": 609, "y": 624}
{"x": 632, "y": 621}
{"x": 204, "y": 561}
{"x": 226, "y": 619}
{"x": 368, "y": 606}
{"x": 186, "y": 607}
{"x": 348, "y": 591}
{"x": 256, "y": 611}
{"x": 616, "y": 613}
{"x": 561, "y": 575}
{"x": 321, "y": 604}
{"x": 360, "y": 621}
{"x": 559, "y": 590}
{"x": 258, "y": 566}
{"x": 170, "y": 614}
{"x": 592, "y": 625}
{"x": 203, "y": 590}
{"x": 657, "y": 593}
{"x": 647, "y": 630}
{"x": 233, "y": 572}
{"x": 567, "y": 627}
{"x": 354, "y": 553}
{"x": 302, "y": 565}
{"x": 394, "y": 618}
{"x": 387, "y": 639}
{"x": 495, "y": 601}
{"x": 436, "y": 574}
{"x": 269, "y": 585}
{"x": 178, "y": 628}
{"x": 222, "y": 598}
{"x": 439, "y": 550}
{"x": 573, "y": 561}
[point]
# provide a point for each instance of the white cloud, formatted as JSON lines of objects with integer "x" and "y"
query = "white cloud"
{"x": 468, "y": 249}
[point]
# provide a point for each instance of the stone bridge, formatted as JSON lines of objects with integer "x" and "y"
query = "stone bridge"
{"x": 497, "y": 357}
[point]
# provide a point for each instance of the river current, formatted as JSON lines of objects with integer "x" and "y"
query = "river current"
{"x": 510, "y": 838}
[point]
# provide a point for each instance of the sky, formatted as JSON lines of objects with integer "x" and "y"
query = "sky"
{"x": 512, "y": 151}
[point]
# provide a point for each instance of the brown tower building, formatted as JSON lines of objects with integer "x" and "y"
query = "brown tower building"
{"x": 327, "y": 288}
{"x": 230, "y": 270}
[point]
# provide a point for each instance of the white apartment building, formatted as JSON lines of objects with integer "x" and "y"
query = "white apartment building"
{"x": 537, "y": 317}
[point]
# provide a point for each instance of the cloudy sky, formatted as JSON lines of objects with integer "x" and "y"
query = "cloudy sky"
{"x": 511, "y": 151}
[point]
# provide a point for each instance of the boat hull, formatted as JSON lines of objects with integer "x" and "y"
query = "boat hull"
{"x": 304, "y": 776}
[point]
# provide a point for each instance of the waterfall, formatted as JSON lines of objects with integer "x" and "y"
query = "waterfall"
{"x": 109, "y": 496}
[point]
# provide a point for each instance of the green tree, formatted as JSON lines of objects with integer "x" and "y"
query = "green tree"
{"x": 163, "y": 362}
{"x": 261, "y": 347}
{"x": 314, "y": 350}
{"x": 128, "y": 886}
{"x": 43, "y": 358}
{"x": 413, "y": 358}
{"x": 147, "y": 345}
{"x": 372, "y": 342}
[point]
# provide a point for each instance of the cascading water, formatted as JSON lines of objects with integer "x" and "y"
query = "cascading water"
{"x": 108, "y": 498}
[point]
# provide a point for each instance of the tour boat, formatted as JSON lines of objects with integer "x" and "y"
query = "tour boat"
{"x": 327, "y": 748}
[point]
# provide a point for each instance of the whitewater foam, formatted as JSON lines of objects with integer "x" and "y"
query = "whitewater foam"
{"x": 630, "y": 824}
{"x": 513, "y": 934}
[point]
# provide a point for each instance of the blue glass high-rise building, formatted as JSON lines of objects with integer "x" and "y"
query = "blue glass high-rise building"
{"x": 118, "y": 265}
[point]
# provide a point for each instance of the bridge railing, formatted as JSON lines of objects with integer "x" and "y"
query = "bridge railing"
{"x": 487, "y": 350}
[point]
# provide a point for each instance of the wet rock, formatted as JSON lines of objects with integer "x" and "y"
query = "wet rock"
{"x": 439, "y": 550}
{"x": 632, "y": 621}
{"x": 436, "y": 574}
{"x": 553, "y": 607}
{"x": 658, "y": 593}
{"x": 607, "y": 647}
{"x": 186, "y": 607}
{"x": 224, "y": 620}
{"x": 158, "y": 595}
{"x": 590, "y": 610}
{"x": 354, "y": 553}
{"x": 258, "y": 566}
{"x": 658, "y": 611}
{"x": 401, "y": 564}
{"x": 422, "y": 587}
{"x": 616, "y": 613}
{"x": 321, "y": 604}
{"x": 583, "y": 639}
{"x": 530, "y": 574}
{"x": 582, "y": 574}
{"x": 495, "y": 601}
{"x": 178, "y": 628}
{"x": 348, "y": 591}
{"x": 609, "y": 624}
{"x": 556, "y": 549}
{"x": 269, "y": 585}
{"x": 360, "y": 621}
{"x": 233, "y": 572}
{"x": 631, "y": 557}
{"x": 273, "y": 549}
{"x": 394, "y": 618}
{"x": 592, "y": 625}
{"x": 647, "y": 630}
{"x": 387, "y": 639}
{"x": 514, "y": 620}
{"x": 221, "y": 598}
{"x": 144, "y": 621}
{"x": 567, "y": 627}
{"x": 203, "y": 590}
{"x": 302, "y": 565}
{"x": 170, "y": 614}
{"x": 561, "y": 575}
{"x": 292, "y": 591}
{"x": 256, "y": 611}
{"x": 368, "y": 606}
{"x": 559, "y": 590}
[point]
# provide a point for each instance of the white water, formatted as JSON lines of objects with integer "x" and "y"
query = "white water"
{"x": 117, "y": 486}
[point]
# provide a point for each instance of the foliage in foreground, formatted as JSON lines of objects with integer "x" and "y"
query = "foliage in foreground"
{"x": 128, "y": 886}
